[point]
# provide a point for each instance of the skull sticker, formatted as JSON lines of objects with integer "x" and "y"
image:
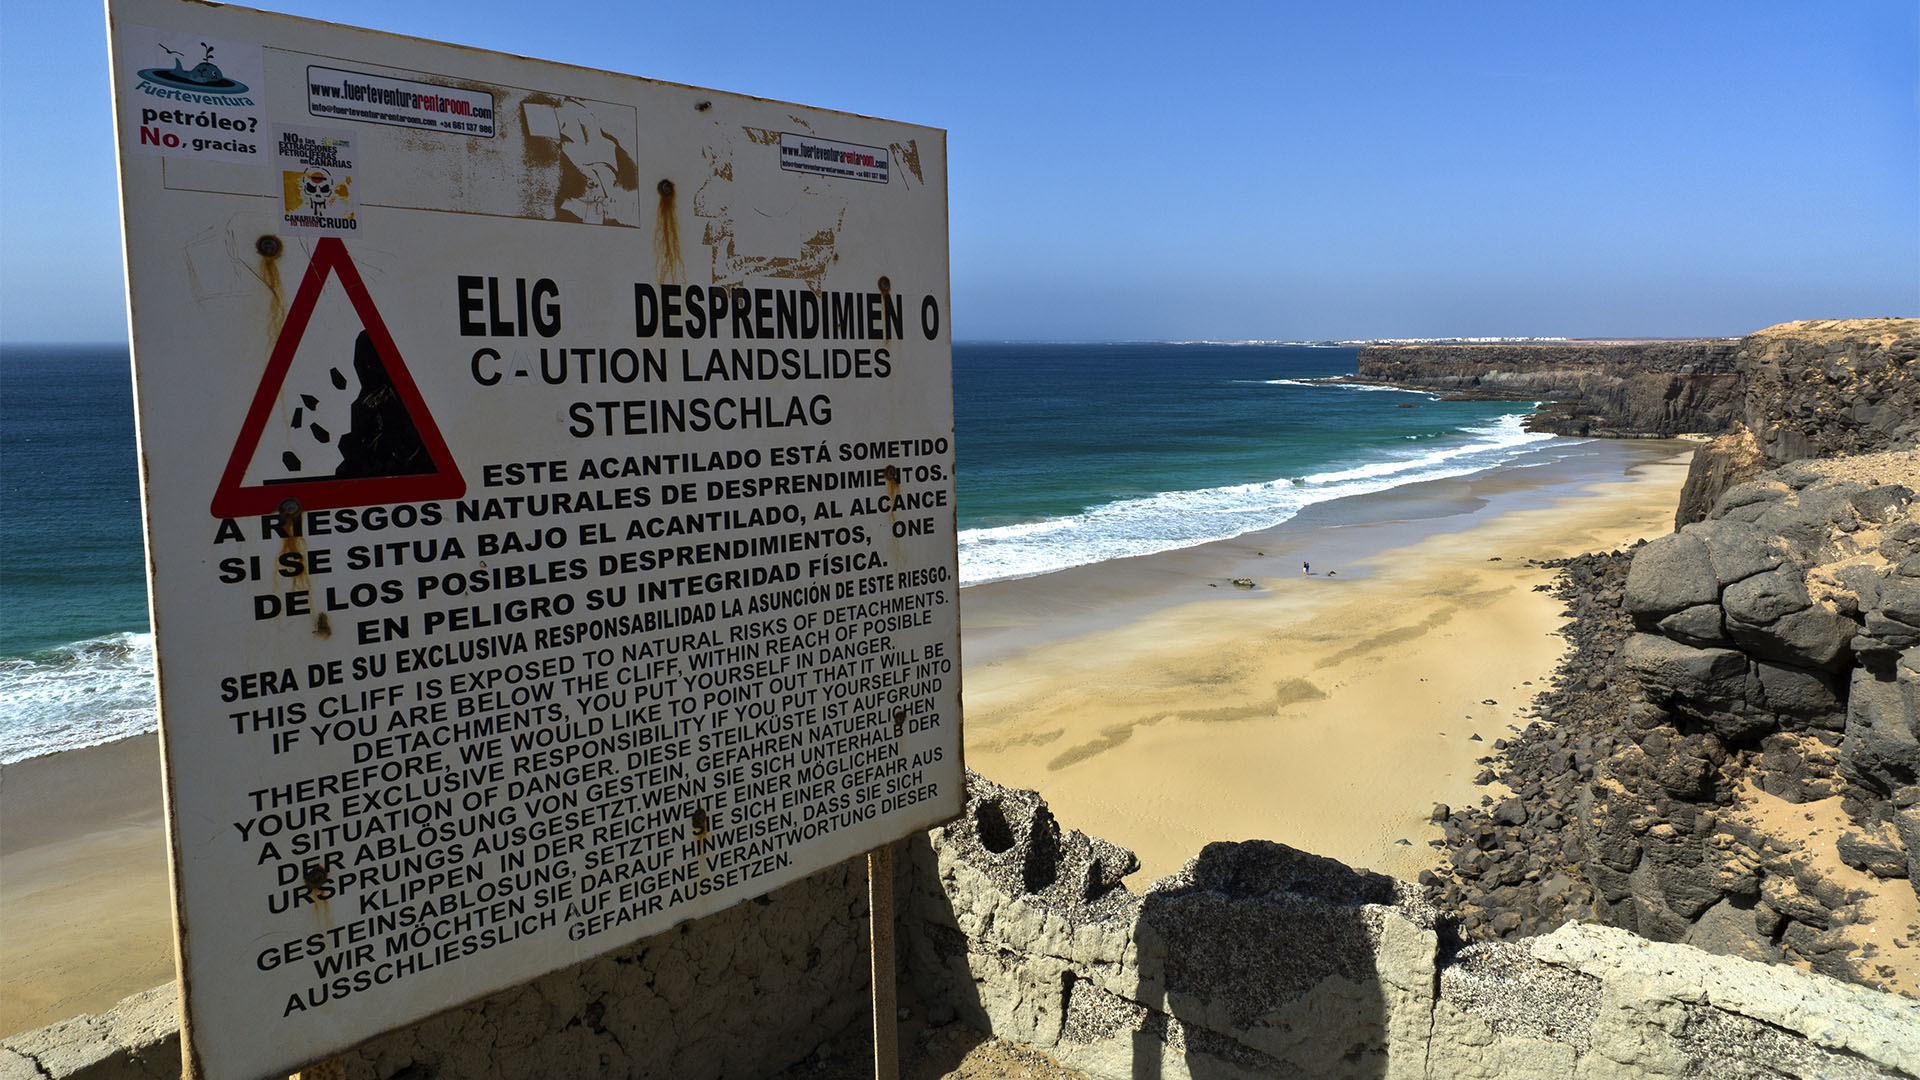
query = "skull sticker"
{"x": 316, "y": 186}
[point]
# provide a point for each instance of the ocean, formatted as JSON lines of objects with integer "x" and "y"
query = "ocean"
{"x": 1067, "y": 455}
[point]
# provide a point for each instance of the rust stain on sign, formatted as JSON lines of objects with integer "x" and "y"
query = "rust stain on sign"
{"x": 269, "y": 247}
{"x": 700, "y": 826}
{"x": 666, "y": 237}
{"x": 314, "y": 880}
{"x": 892, "y": 475}
{"x": 293, "y": 551}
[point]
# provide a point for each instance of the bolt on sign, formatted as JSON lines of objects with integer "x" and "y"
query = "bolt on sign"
{"x": 549, "y": 490}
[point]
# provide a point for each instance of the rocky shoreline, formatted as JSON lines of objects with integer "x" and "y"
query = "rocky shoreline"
{"x": 1729, "y": 755}
{"x": 1515, "y": 864}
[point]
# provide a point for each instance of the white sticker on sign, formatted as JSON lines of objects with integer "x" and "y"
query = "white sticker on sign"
{"x": 386, "y": 99}
{"x": 316, "y": 180}
{"x": 830, "y": 157}
{"x": 184, "y": 94}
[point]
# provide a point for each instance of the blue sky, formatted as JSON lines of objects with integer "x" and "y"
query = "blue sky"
{"x": 1214, "y": 170}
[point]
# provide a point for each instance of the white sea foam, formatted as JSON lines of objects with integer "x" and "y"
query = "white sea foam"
{"x": 1333, "y": 382}
{"x": 83, "y": 694}
{"x": 1178, "y": 519}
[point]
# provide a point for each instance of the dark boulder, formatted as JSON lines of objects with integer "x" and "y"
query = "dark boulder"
{"x": 1668, "y": 575}
{"x": 1877, "y": 850}
{"x": 1771, "y": 616}
{"x": 1881, "y": 748}
{"x": 1736, "y": 550}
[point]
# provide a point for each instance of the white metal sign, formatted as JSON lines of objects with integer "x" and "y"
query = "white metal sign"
{"x": 549, "y": 501}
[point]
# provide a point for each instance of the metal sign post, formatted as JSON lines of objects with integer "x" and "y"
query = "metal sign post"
{"x": 548, "y": 483}
{"x": 886, "y": 1036}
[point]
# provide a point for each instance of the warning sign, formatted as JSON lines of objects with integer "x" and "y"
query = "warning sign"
{"x": 358, "y": 435}
{"x": 551, "y": 527}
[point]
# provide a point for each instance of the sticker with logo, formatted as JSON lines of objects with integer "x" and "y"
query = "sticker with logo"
{"x": 316, "y": 179}
{"x": 186, "y": 95}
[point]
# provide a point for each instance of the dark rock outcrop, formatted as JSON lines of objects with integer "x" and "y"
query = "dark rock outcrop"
{"x": 1812, "y": 389}
{"x": 1733, "y": 458}
{"x": 1592, "y": 387}
{"x": 1793, "y": 391}
{"x": 1832, "y": 387}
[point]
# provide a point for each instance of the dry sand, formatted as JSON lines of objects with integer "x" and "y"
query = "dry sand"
{"x": 1325, "y": 713}
{"x": 1884, "y": 924}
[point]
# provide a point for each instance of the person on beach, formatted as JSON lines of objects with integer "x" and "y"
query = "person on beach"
{"x": 1305, "y": 570}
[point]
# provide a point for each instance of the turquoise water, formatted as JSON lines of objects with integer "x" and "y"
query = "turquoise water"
{"x": 1067, "y": 455}
{"x": 76, "y": 660}
{"x": 1073, "y": 454}
{"x": 70, "y": 553}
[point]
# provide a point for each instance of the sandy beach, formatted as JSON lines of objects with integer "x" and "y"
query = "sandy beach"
{"x": 1159, "y": 706}
{"x": 1150, "y": 699}
{"x": 83, "y": 882}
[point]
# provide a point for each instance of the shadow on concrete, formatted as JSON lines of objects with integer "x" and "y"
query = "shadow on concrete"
{"x": 1260, "y": 959}
{"x": 1255, "y": 960}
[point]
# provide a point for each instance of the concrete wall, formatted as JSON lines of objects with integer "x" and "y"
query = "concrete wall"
{"x": 1255, "y": 961}
{"x": 1261, "y": 961}
{"x": 742, "y": 993}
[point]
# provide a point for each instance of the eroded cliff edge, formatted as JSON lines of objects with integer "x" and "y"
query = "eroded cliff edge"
{"x": 1615, "y": 389}
{"x": 1815, "y": 388}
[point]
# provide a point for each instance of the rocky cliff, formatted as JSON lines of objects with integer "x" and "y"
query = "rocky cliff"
{"x": 1590, "y": 388}
{"x": 1813, "y": 389}
{"x": 1832, "y": 387}
{"x": 1797, "y": 390}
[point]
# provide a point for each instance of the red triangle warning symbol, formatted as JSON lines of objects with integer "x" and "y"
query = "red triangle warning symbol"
{"x": 379, "y": 444}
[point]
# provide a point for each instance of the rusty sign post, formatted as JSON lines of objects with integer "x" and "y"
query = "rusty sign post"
{"x": 548, "y": 484}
